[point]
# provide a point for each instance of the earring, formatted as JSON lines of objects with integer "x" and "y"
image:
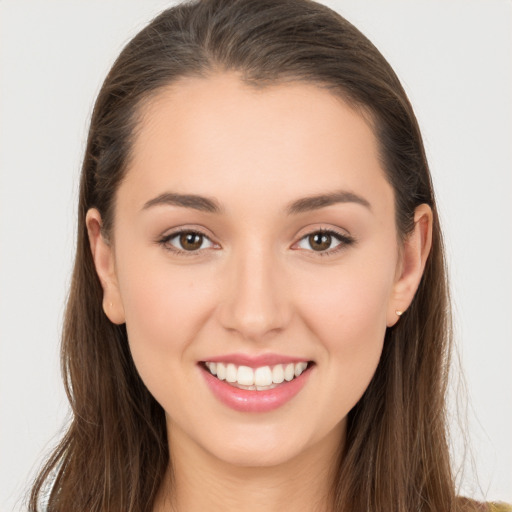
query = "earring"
{"x": 398, "y": 313}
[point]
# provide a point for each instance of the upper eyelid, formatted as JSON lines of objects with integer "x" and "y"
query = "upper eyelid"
{"x": 337, "y": 232}
{"x": 174, "y": 234}
{"x": 332, "y": 231}
{"x": 170, "y": 233}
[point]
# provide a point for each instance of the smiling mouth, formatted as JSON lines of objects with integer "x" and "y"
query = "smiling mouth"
{"x": 261, "y": 378}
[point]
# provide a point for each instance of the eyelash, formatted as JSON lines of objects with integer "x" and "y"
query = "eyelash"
{"x": 345, "y": 241}
{"x": 164, "y": 241}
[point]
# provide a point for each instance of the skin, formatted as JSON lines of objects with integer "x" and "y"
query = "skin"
{"x": 256, "y": 285}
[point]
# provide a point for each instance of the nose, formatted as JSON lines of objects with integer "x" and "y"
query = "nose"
{"x": 256, "y": 300}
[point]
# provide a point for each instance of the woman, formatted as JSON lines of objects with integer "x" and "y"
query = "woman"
{"x": 259, "y": 314}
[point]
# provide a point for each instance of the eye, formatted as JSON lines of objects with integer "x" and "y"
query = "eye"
{"x": 186, "y": 241}
{"x": 324, "y": 241}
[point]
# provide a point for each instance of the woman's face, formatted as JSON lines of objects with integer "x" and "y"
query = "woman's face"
{"x": 254, "y": 230}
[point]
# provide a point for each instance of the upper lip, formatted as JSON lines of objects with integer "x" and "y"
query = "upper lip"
{"x": 255, "y": 361}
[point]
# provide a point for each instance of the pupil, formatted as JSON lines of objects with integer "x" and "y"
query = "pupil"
{"x": 191, "y": 241}
{"x": 320, "y": 241}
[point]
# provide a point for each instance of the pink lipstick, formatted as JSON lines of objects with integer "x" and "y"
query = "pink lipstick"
{"x": 255, "y": 384}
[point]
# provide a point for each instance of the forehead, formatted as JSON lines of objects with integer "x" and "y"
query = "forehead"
{"x": 219, "y": 136}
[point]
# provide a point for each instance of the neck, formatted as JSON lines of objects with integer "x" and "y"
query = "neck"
{"x": 199, "y": 481}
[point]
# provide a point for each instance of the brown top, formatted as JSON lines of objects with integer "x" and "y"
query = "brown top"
{"x": 500, "y": 507}
{"x": 468, "y": 505}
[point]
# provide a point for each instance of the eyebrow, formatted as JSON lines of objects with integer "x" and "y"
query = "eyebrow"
{"x": 308, "y": 204}
{"x": 210, "y": 205}
{"x": 193, "y": 201}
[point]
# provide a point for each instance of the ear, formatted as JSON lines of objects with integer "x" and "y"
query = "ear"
{"x": 103, "y": 257}
{"x": 414, "y": 254}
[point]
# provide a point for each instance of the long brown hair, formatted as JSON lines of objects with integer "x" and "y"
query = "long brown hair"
{"x": 115, "y": 452}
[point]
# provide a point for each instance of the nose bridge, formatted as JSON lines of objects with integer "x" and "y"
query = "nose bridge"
{"x": 256, "y": 301}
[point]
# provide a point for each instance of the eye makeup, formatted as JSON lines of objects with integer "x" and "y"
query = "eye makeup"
{"x": 320, "y": 238}
{"x": 191, "y": 242}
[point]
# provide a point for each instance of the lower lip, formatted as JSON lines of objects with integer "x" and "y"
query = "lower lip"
{"x": 246, "y": 400}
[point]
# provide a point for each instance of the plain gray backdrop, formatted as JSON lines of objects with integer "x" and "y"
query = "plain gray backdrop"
{"x": 454, "y": 59}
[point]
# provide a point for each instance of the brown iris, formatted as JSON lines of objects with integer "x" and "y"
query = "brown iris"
{"x": 191, "y": 241}
{"x": 320, "y": 241}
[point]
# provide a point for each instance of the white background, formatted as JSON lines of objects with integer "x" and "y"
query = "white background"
{"x": 454, "y": 58}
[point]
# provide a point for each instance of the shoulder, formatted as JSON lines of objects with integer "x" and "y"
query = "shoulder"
{"x": 468, "y": 505}
{"x": 499, "y": 507}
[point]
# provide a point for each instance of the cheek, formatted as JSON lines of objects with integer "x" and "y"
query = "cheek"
{"x": 347, "y": 314}
{"x": 165, "y": 306}
{"x": 349, "y": 303}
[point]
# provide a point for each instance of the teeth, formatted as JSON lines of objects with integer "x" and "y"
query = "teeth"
{"x": 245, "y": 376}
{"x": 278, "y": 374}
{"x": 262, "y": 378}
{"x": 221, "y": 371}
{"x": 289, "y": 372}
{"x": 299, "y": 368}
{"x": 231, "y": 373}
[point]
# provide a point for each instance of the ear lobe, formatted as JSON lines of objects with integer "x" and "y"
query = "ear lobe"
{"x": 103, "y": 257}
{"x": 415, "y": 251}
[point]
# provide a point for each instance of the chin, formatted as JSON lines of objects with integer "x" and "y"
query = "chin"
{"x": 264, "y": 446}
{"x": 256, "y": 456}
